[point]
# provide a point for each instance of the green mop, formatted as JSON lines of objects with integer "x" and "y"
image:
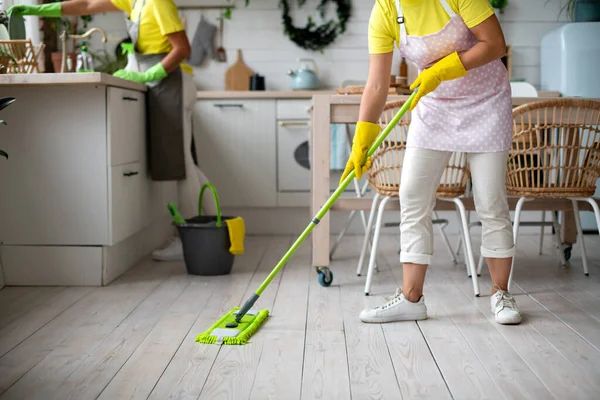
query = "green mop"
{"x": 238, "y": 325}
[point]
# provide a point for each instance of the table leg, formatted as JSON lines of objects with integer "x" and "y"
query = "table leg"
{"x": 569, "y": 229}
{"x": 319, "y": 148}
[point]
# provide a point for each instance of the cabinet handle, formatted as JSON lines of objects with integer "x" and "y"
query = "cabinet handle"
{"x": 130, "y": 173}
{"x": 229, "y": 105}
{"x": 293, "y": 123}
{"x": 127, "y": 98}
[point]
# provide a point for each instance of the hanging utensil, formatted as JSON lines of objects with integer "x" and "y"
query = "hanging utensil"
{"x": 237, "y": 77}
{"x": 220, "y": 54}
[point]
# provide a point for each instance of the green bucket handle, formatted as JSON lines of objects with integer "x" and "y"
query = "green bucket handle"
{"x": 214, "y": 191}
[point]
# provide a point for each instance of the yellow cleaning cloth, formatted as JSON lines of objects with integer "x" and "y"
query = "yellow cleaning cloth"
{"x": 237, "y": 230}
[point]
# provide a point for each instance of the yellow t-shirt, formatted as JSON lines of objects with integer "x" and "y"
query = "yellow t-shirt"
{"x": 159, "y": 18}
{"x": 422, "y": 17}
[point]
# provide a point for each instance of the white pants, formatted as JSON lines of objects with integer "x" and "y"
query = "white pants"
{"x": 421, "y": 175}
{"x": 189, "y": 188}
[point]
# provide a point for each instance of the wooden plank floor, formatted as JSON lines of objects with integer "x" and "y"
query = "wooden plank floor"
{"x": 135, "y": 338}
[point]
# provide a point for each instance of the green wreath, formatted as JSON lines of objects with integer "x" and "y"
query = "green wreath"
{"x": 311, "y": 36}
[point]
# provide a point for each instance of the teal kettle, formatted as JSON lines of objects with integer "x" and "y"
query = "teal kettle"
{"x": 304, "y": 78}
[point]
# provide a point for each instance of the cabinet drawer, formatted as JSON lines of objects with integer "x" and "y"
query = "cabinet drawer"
{"x": 127, "y": 200}
{"x": 293, "y": 109}
{"x": 126, "y": 125}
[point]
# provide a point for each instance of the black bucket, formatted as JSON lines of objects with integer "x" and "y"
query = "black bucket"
{"x": 206, "y": 242}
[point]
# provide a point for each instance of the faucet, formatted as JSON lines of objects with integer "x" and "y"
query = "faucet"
{"x": 64, "y": 36}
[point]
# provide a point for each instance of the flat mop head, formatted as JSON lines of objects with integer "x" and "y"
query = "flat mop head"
{"x": 228, "y": 331}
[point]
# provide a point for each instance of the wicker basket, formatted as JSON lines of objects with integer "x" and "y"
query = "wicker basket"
{"x": 25, "y": 54}
{"x": 555, "y": 150}
{"x": 386, "y": 168}
{"x": 4, "y": 64}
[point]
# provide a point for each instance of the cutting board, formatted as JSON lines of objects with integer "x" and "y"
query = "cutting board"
{"x": 238, "y": 75}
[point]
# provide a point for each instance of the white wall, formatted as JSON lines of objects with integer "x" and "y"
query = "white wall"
{"x": 525, "y": 22}
{"x": 258, "y": 31}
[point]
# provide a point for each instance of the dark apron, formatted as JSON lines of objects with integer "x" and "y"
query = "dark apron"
{"x": 164, "y": 112}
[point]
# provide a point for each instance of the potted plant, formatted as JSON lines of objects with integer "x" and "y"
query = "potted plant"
{"x": 499, "y": 5}
{"x": 59, "y": 26}
{"x": 3, "y": 23}
{"x": 104, "y": 62}
{"x": 73, "y": 25}
{"x": 3, "y": 18}
{"x": 582, "y": 10}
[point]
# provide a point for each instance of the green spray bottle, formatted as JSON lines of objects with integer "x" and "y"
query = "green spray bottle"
{"x": 85, "y": 63}
{"x": 132, "y": 64}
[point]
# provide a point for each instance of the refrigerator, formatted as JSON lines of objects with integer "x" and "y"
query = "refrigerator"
{"x": 569, "y": 62}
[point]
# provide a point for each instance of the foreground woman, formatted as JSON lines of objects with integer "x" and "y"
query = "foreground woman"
{"x": 463, "y": 104}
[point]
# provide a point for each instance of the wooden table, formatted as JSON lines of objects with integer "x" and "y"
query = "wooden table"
{"x": 343, "y": 109}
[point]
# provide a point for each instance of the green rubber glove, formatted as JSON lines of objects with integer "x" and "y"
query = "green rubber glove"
{"x": 364, "y": 136}
{"x": 52, "y": 10}
{"x": 155, "y": 73}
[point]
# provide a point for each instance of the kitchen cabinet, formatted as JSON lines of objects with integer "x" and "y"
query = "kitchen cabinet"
{"x": 256, "y": 150}
{"x": 77, "y": 206}
{"x": 236, "y": 149}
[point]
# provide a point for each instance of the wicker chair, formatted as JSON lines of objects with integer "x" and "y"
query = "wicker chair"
{"x": 384, "y": 177}
{"x": 555, "y": 153}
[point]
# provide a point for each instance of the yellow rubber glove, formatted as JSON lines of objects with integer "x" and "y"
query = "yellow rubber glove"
{"x": 364, "y": 136}
{"x": 447, "y": 69}
{"x": 237, "y": 231}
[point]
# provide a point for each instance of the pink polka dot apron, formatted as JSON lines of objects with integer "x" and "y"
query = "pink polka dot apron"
{"x": 469, "y": 114}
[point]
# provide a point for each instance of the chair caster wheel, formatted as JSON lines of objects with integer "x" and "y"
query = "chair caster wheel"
{"x": 325, "y": 276}
{"x": 567, "y": 252}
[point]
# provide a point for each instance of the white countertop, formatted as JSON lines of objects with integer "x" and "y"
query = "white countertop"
{"x": 261, "y": 94}
{"x": 88, "y": 78}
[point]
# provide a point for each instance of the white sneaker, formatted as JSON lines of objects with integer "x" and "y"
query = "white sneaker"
{"x": 173, "y": 251}
{"x": 398, "y": 308}
{"x": 504, "y": 307}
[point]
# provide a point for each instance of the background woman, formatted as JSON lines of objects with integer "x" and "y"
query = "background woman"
{"x": 161, "y": 46}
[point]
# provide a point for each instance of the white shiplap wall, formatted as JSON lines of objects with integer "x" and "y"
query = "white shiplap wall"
{"x": 258, "y": 31}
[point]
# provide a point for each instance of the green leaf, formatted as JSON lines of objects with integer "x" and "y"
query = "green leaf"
{"x": 3, "y": 122}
